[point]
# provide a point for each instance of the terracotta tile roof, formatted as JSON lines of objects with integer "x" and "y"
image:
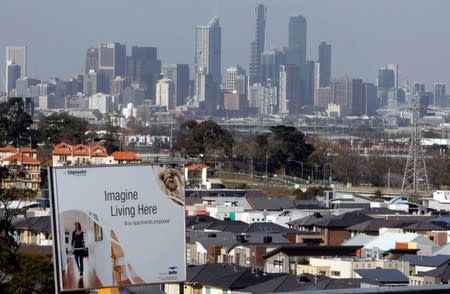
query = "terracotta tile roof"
{"x": 24, "y": 159}
{"x": 98, "y": 151}
{"x": 81, "y": 150}
{"x": 195, "y": 166}
{"x": 62, "y": 149}
{"x": 125, "y": 155}
{"x": 8, "y": 148}
{"x": 28, "y": 150}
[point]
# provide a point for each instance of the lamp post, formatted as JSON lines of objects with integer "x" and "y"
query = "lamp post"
{"x": 299, "y": 162}
{"x": 330, "y": 179}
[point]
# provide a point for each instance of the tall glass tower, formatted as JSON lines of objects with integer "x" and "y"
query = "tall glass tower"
{"x": 257, "y": 46}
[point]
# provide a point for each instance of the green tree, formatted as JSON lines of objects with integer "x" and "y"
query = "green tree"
{"x": 206, "y": 138}
{"x": 15, "y": 123}
{"x": 62, "y": 127}
{"x": 282, "y": 144}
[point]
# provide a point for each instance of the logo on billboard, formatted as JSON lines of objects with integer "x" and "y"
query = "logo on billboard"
{"x": 80, "y": 172}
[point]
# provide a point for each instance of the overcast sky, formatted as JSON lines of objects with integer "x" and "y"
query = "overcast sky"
{"x": 365, "y": 34}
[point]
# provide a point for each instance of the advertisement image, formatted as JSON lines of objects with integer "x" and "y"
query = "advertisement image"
{"x": 117, "y": 225}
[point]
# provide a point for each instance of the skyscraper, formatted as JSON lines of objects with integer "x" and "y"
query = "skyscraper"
{"x": 289, "y": 97}
{"x": 257, "y": 46}
{"x": 208, "y": 46}
{"x": 13, "y": 73}
{"x": 439, "y": 95}
{"x": 144, "y": 67}
{"x": 91, "y": 60}
{"x": 111, "y": 63}
{"x": 325, "y": 64}
{"x": 310, "y": 81}
{"x": 15, "y": 55}
{"x": 90, "y": 83}
{"x": 207, "y": 64}
{"x": 179, "y": 74}
{"x": 270, "y": 66}
{"x": 297, "y": 42}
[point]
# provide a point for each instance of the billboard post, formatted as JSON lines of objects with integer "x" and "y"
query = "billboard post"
{"x": 117, "y": 225}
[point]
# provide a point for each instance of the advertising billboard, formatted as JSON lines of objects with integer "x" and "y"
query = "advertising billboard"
{"x": 117, "y": 225}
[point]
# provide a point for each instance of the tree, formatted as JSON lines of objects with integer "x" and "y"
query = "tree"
{"x": 281, "y": 145}
{"x": 59, "y": 127}
{"x": 206, "y": 138}
{"x": 12, "y": 173}
{"x": 346, "y": 166}
{"x": 15, "y": 123}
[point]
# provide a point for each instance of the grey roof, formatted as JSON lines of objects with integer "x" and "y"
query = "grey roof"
{"x": 226, "y": 276}
{"x": 239, "y": 201}
{"x": 266, "y": 227}
{"x": 223, "y": 239}
{"x": 308, "y": 221}
{"x": 199, "y": 222}
{"x": 432, "y": 261}
{"x": 443, "y": 250}
{"x": 304, "y": 282}
{"x": 228, "y": 239}
{"x": 374, "y": 225}
{"x": 382, "y": 211}
{"x": 228, "y": 226}
{"x": 428, "y": 226}
{"x": 271, "y": 203}
{"x": 359, "y": 240}
{"x": 383, "y": 275}
{"x": 36, "y": 224}
{"x": 343, "y": 220}
{"x": 442, "y": 272}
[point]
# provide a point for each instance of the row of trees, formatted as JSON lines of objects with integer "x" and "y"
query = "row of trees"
{"x": 285, "y": 150}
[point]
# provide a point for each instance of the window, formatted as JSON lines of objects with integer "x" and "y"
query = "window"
{"x": 335, "y": 273}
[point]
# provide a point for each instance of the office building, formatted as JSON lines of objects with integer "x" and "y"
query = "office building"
{"x": 13, "y": 73}
{"x": 290, "y": 99}
{"x": 101, "y": 102}
{"x": 270, "y": 66}
{"x": 369, "y": 96}
{"x": 207, "y": 59}
{"x": 179, "y": 74}
{"x": 257, "y": 46}
{"x": 111, "y": 63}
{"x": 235, "y": 102}
{"x": 439, "y": 95}
{"x": 322, "y": 97}
{"x": 165, "y": 94}
{"x": 296, "y": 54}
{"x": 90, "y": 83}
{"x": 144, "y": 67}
{"x": 91, "y": 60}
{"x": 325, "y": 64}
{"x": 235, "y": 80}
{"x": 263, "y": 98}
{"x": 312, "y": 69}
{"x": 15, "y": 55}
{"x": 117, "y": 85}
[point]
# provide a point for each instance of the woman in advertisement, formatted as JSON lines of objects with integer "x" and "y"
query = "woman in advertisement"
{"x": 78, "y": 247}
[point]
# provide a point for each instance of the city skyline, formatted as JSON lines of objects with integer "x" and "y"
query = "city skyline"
{"x": 398, "y": 39}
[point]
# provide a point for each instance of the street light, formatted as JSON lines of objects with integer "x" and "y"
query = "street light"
{"x": 299, "y": 162}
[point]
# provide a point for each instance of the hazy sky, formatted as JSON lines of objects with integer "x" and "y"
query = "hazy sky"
{"x": 365, "y": 34}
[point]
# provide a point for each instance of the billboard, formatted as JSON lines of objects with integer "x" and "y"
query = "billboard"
{"x": 117, "y": 225}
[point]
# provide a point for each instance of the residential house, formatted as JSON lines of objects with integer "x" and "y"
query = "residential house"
{"x": 382, "y": 278}
{"x": 420, "y": 264}
{"x": 333, "y": 228}
{"x": 284, "y": 259}
{"x": 65, "y": 154}
{"x": 23, "y": 160}
{"x": 344, "y": 268}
